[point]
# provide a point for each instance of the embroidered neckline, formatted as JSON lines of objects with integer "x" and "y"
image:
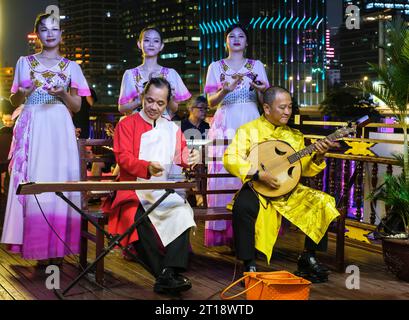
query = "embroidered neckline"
{"x": 35, "y": 63}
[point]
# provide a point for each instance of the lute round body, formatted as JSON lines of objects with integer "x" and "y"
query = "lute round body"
{"x": 272, "y": 156}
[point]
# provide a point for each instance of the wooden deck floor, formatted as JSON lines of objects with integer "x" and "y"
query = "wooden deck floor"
{"x": 211, "y": 270}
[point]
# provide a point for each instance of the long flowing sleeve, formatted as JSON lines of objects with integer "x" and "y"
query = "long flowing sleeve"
{"x": 235, "y": 157}
{"x": 212, "y": 85}
{"x": 78, "y": 80}
{"x": 128, "y": 89}
{"x": 21, "y": 75}
{"x": 180, "y": 92}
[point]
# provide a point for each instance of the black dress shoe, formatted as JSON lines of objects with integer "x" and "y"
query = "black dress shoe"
{"x": 308, "y": 261}
{"x": 171, "y": 283}
{"x": 310, "y": 269}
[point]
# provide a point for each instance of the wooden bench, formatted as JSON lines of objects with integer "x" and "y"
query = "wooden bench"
{"x": 96, "y": 215}
{"x": 206, "y": 213}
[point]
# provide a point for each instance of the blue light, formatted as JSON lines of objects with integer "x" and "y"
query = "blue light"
{"x": 268, "y": 23}
{"x": 279, "y": 27}
{"x": 218, "y": 26}
{"x": 201, "y": 28}
{"x": 286, "y": 25}
{"x": 292, "y": 26}
{"x": 215, "y": 30}
{"x": 229, "y": 21}
{"x": 255, "y": 23}
{"x": 208, "y": 45}
{"x": 299, "y": 25}
{"x": 305, "y": 25}
{"x": 275, "y": 22}
{"x": 251, "y": 22}
{"x": 315, "y": 20}
{"x": 261, "y": 24}
{"x": 204, "y": 26}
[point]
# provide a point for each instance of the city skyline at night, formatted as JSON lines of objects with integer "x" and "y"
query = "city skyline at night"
{"x": 288, "y": 36}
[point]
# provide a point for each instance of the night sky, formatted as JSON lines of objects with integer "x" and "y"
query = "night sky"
{"x": 19, "y": 16}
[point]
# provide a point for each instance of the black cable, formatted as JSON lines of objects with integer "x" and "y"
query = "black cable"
{"x": 74, "y": 254}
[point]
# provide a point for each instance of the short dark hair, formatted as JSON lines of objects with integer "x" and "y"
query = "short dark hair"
{"x": 158, "y": 83}
{"x": 234, "y": 26}
{"x": 270, "y": 94}
{"x": 150, "y": 28}
{"x": 197, "y": 100}
{"x": 39, "y": 19}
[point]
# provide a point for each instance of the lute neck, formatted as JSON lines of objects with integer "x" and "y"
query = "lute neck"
{"x": 308, "y": 150}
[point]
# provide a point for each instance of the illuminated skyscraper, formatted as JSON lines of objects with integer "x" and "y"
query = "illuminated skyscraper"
{"x": 92, "y": 38}
{"x": 6, "y": 81}
{"x": 363, "y": 45}
{"x": 287, "y": 35}
{"x": 178, "y": 21}
{"x": 33, "y": 44}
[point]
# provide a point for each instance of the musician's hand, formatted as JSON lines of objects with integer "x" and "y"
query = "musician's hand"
{"x": 155, "y": 169}
{"x": 194, "y": 158}
{"x": 267, "y": 178}
{"x": 322, "y": 146}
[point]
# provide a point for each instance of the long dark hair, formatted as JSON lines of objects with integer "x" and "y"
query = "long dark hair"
{"x": 39, "y": 19}
{"x": 234, "y": 26}
{"x": 150, "y": 28}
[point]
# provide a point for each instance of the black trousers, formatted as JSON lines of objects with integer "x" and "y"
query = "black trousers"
{"x": 149, "y": 250}
{"x": 245, "y": 212}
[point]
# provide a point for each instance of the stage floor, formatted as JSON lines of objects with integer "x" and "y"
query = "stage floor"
{"x": 211, "y": 270}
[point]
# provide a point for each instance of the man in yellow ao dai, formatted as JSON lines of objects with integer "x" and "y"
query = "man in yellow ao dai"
{"x": 256, "y": 219}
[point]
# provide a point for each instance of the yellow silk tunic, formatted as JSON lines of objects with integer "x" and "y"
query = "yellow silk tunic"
{"x": 310, "y": 210}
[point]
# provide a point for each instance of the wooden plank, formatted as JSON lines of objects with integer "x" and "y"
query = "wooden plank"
{"x": 210, "y": 270}
{"x": 70, "y": 186}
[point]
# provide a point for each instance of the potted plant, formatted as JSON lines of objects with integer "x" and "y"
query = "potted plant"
{"x": 393, "y": 90}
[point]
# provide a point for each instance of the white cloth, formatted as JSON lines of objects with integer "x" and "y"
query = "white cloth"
{"x": 174, "y": 215}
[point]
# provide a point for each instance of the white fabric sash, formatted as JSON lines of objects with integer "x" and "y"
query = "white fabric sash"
{"x": 174, "y": 215}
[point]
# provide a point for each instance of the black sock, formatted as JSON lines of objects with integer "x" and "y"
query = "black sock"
{"x": 249, "y": 263}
